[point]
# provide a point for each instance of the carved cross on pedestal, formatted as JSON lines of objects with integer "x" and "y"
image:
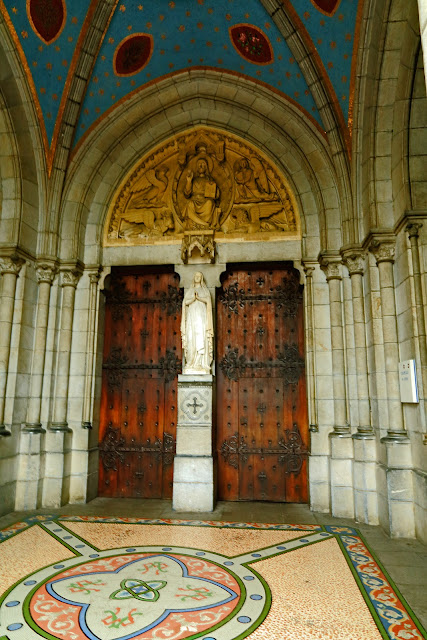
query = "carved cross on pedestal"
{"x": 194, "y": 405}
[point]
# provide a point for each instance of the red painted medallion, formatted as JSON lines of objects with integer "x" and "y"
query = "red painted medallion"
{"x": 133, "y": 54}
{"x": 47, "y": 18}
{"x": 251, "y": 43}
{"x": 326, "y": 6}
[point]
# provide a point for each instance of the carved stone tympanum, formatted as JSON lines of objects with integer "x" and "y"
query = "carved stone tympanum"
{"x": 200, "y": 183}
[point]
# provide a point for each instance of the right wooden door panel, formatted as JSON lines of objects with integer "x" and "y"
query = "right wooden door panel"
{"x": 262, "y": 429}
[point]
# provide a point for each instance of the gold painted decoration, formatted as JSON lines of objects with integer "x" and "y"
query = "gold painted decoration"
{"x": 201, "y": 183}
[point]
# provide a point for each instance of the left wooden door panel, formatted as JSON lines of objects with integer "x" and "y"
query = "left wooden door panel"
{"x": 142, "y": 357}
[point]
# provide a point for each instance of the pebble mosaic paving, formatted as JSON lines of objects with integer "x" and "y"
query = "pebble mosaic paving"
{"x": 96, "y": 578}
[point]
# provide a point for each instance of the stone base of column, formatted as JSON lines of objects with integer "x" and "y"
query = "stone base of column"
{"x": 86, "y": 425}
{"x": 364, "y": 433}
{"x": 29, "y": 471}
{"x": 341, "y": 472}
{"x": 396, "y": 435}
{"x": 54, "y": 469}
{"x": 33, "y": 427}
{"x": 365, "y": 479}
{"x": 4, "y": 432}
{"x": 193, "y": 484}
{"x": 193, "y": 478}
{"x": 60, "y": 426}
{"x": 320, "y": 490}
{"x": 396, "y": 490}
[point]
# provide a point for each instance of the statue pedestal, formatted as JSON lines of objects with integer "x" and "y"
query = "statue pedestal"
{"x": 193, "y": 477}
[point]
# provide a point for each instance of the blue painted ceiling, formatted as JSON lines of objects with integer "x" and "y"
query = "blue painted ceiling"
{"x": 184, "y": 34}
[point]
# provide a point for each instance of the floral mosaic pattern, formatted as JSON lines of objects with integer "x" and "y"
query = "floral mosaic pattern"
{"x": 179, "y": 592}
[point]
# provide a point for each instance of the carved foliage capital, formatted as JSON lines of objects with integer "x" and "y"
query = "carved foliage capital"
{"x": 94, "y": 276}
{"x": 45, "y": 272}
{"x": 11, "y": 264}
{"x": 354, "y": 261}
{"x": 383, "y": 250}
{"x": 69, "y": 277}
{"x": 331, "y": 268}
{"x": 413, "y": 229}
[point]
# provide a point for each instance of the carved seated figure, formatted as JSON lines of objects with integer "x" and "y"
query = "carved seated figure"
{"x": 202, "y": 193}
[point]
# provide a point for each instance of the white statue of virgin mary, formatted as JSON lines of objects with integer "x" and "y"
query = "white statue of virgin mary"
{"x": 197, "y": 327}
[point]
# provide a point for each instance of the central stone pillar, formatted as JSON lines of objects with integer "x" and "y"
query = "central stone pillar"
{"x": 193, "y": 483}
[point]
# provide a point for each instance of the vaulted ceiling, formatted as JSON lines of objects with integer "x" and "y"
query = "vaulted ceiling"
{"x": 144, "y": 42}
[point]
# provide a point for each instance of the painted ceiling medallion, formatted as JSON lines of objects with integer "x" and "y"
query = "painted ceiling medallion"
{"x": 133, "y": 54}
{"x": 328, "y": 7}
{"x": 251, "y": 43}
{"x": 47, "y": 18}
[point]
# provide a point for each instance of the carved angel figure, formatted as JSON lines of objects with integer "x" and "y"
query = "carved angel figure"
{"x": 197, "y": 327}
{"x": 251, "y": 182}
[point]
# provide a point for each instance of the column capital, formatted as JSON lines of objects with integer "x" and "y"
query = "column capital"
{"x": 94, "y": 275}
{"x": 309, "y": 268}
{"x": 383, "y": 248}
{"x": 45, "y": 271}
{"x": 354, "y": 258}
{"x": 331, "y": 265}
{"x": 11, "y": 264}
{"x": 69, "y": 277}
{"x": 413, "y": 228}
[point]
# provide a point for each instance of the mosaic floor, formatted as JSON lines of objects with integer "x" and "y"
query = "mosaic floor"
{"x": 98, "y": 578}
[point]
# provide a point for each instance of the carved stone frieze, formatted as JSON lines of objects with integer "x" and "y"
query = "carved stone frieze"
{"x": 198, "y": 182}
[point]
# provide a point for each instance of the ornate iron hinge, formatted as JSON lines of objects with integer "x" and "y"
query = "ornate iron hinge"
{"x": 289, "y": 362}
{"x": 290, "y": 450}
{"x": 287, "y": 297}
{"x": 118, "y": 363}
{"x": 113, "y": 448}
{"x": 121, "y": 300}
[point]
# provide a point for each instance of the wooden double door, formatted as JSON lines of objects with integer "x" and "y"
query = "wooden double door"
{"x": 260, "y": 428}
{"x": 142, "y": 357}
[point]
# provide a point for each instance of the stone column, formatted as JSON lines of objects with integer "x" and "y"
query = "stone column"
{"x": 10, "y": 266}
{"x": 68, "y": 282}
{"x": 383, "y": 250}
{"x": 413, "y": 232}
{"x": 45, "y": 274}
{"x": 331, "y": 266}
{"x": 90, "y": 349}
{"x": 310, "y": 351}
{"x": 193, "y": 476}
{"x": 365, "y": 453}
{"x": 395, "y": 483}
{"x": 353, "y": 260}
{"x": 341, "y": 463}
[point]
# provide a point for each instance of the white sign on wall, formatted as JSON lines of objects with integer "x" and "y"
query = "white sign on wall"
{"x": 408, "y": 381}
